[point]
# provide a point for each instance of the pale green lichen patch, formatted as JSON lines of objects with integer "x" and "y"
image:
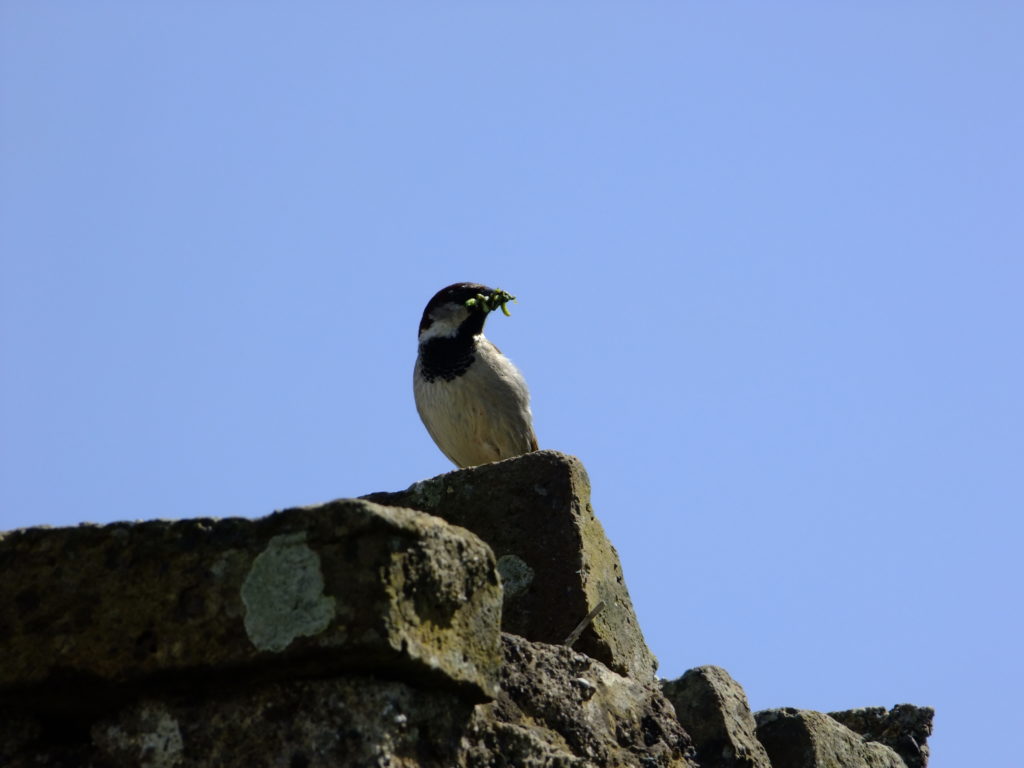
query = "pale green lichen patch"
{"x": 155, "y": 740}
{"x": 284, "y": 594}
{"x": 516, "y": 575}
{"x": 427, "y": 494}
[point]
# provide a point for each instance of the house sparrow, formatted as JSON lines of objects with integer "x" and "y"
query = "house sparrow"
{"x": 472, "y": 400}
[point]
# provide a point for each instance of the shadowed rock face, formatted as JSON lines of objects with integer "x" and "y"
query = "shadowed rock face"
{"x": 555, "y": 707}
{"x": 365, "y": 633}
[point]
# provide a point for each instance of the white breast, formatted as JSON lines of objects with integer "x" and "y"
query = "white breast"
{"x": 480, "y": 416}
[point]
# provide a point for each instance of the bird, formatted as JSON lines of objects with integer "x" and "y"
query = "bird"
{"x": 471, "y": 398}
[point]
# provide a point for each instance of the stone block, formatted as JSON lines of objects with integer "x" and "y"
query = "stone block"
{"x": 93, "y": 612}
{"x": 713, "y": 709}
{"x": 556, "y": 563}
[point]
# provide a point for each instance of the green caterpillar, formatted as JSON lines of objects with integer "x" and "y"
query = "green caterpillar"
{"x": 493, "y": 302}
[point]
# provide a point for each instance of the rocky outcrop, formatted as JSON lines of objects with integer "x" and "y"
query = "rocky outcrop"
{"x": 798, "y": 738}
{"x": 372, "y": 632}
{"x": 904, "y": 728}
{"x": 713, "y": 708}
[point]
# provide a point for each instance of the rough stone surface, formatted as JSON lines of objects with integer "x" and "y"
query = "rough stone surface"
{"x": 356, "y": 634}
{"x": 905, "y": 728}
{"x": 591, "y": 715}
{"x": 555, "y": 709}
{"x": 89, "y": 614}
{"x": 797, "y": 738}
{"x": 713, "y": 709}
{"x": 555, "y": 560}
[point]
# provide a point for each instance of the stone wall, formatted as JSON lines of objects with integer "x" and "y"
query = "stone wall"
{"x": 479, "y": 618}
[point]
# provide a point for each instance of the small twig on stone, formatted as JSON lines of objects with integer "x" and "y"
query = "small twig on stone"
{"x": 575, "y": 634}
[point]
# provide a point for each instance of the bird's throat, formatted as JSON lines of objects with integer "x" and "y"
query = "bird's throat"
{"x": 447, "y": 358}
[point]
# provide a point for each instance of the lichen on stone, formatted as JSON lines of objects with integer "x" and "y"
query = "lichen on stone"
{"x": 284, "y": 594}
{"x": 516, "y": 575}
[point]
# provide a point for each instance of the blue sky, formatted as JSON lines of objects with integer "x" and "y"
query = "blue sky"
{"x": 769, "y": 260}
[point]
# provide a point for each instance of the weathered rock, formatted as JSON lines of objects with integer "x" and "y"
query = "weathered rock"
{"x": 591, "y": 716}
{"x": 905, "y": 728}
{"x": 713, "y": 709}
{"x": 797, "y": 738}
{"x": 556, "y": 709}
{"x": 89, "y": 615}
{"x": 556, "y": 563}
